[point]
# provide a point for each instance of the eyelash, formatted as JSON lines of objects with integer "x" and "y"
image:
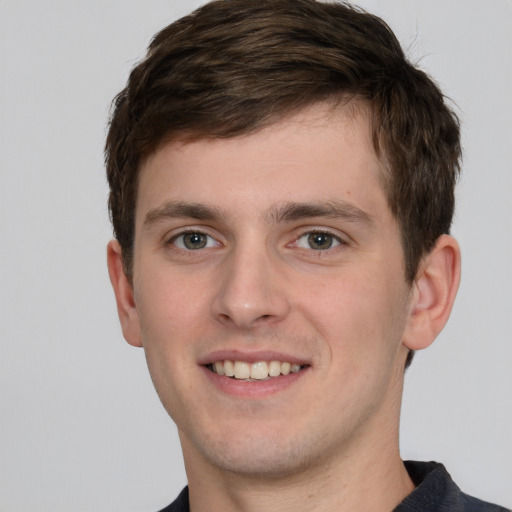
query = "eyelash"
{"x": 336, "y": 241}
{"x": 172, "y": 241}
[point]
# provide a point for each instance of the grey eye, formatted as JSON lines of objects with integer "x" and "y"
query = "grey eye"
{"x": 193, "y": 241}
{"x": 320, "y": 241}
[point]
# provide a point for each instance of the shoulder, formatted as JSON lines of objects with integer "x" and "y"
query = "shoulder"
{"x": 180, "y": 504}
{"x": 436, "y": 491}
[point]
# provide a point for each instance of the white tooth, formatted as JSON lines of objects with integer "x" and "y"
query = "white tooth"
{"x": 294, "y": 368}
{"x": 218, "y": 366}
{"x": 229, "y": 369}
{"x": 285, "y": 368}
{"x": 259, "y": 370}
{"x": 274, "y": 368}
{"x": 242, "y": 370}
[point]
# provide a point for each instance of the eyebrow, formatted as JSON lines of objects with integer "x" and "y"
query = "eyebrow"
{"x": 342, "y": 210}
{"x": 178, "y": 209}
{"x": 284, "y": 212}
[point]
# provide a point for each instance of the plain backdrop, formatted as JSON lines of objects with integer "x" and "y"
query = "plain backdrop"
{"x": 81, "y": 427}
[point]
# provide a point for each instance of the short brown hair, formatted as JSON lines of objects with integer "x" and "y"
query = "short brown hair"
{"x": 235, "y": 66}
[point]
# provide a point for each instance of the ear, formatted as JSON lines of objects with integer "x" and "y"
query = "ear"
{"x": 433, "y": 293}
{"x": 123, "y": 290}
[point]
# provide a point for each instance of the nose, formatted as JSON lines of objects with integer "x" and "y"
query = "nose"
{"x": 251, "y": 292}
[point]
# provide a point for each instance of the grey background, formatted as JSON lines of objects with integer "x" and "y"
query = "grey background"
{"x": 81, "y": 428}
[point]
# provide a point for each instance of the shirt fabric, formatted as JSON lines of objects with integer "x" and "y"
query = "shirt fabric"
{"x": 435, "y": 492}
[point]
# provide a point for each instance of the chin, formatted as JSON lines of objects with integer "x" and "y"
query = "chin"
{"x": 260, "y": 456}
{"x": 262, "y": 462}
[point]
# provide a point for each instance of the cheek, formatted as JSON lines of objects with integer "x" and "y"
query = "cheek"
{"x": 167, "y": 303}
{"x": 361, "y": 318}
{"x": 168, "y": 316}
{"x": 361, "y": 324}
{"x": 171, "y": 315}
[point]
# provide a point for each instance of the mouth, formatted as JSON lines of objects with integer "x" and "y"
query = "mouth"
{"x": 257, "y": 371}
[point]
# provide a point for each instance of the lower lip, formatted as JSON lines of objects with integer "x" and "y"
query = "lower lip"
{"x": 254, "y": 389}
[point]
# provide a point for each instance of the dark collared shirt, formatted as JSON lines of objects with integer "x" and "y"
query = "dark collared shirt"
{"x": 435, "y": 492}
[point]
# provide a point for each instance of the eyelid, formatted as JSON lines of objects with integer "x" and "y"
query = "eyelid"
{"x": 170, "y": 238}
{"x": 336, "y": 241}
{"x": 302, "y": 242}
{"x": 341, "y": 237}
{"x": 180, "y": 243}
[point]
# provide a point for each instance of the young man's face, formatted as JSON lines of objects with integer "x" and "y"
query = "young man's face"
{"x": 269, "y": 251}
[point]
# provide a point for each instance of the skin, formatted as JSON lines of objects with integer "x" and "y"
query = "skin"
{"x": 260, "y": 290}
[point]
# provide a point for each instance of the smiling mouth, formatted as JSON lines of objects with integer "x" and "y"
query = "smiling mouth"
{"x": 261, "y": 370}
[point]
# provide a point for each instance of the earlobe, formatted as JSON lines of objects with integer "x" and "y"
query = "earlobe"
{"x": 123, "y": 290}
{"x": 434, "y": 291}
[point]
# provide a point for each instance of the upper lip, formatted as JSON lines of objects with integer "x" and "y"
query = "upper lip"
{"x": 251, "y": 357}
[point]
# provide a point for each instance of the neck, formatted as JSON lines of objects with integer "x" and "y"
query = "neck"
{"x": 375, "y": 481}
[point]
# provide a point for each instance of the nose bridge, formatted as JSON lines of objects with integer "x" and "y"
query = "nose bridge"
{"x": 249, "y": 291}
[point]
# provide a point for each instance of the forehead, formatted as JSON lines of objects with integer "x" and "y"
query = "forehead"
{"x": 320, "y": 154}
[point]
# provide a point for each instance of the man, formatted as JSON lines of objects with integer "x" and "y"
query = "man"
{"x": 282, "y": 188}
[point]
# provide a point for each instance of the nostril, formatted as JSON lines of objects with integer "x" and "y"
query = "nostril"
{"x": 245, "y": 301}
